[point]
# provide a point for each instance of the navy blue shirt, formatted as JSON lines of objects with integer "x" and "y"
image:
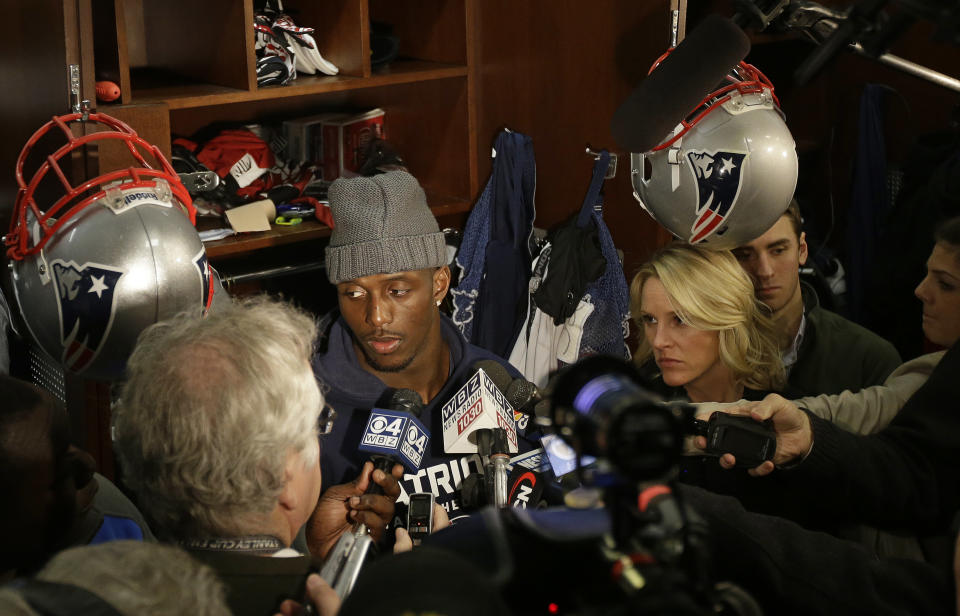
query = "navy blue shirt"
{"x": 352, "y": 392}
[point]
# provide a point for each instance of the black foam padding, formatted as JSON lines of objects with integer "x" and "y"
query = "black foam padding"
{"x": 667, "y": 95}
{"x": 406, "y": 400}
{"x": 497, "y": 373}
{"x": 521, "y": 393}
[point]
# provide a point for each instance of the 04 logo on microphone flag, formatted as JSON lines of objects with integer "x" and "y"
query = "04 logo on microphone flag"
{"x": 397, "y": 434}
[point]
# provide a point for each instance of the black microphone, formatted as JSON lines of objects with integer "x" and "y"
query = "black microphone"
{"x": 674, "y": 89}
{"x": 525, "y": 487}
{"x": 522, "y": 395}
{"x": 406, "y": 400}
{"x": 497, "y": 373}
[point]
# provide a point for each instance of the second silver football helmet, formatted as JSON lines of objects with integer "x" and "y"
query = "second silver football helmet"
{"x": 110, "y": 257}
{"x": 728, "y": 172}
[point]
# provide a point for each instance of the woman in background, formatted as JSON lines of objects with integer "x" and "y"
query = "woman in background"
{"x": 703, "y": 329}
{"x": 871, "y": 409}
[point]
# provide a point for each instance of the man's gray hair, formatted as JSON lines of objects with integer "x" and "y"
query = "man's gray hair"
{"x": 210, "y": 411}
{"x": 140, "y": 578}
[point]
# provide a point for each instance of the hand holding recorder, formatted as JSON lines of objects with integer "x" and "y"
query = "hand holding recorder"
{"x": 791, "y": 429}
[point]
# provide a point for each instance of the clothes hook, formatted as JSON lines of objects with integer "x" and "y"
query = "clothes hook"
{"x": 611, "y": 168}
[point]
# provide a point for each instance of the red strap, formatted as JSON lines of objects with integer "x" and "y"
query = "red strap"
{"x": 647, "y": 495}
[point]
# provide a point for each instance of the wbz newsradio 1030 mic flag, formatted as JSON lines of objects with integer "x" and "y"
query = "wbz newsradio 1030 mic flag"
{"x": 478, "y": 404}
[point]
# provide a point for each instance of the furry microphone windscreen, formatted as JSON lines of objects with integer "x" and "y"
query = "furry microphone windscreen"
{"x": 667, "y": 95}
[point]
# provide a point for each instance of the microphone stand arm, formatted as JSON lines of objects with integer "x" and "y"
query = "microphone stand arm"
{"x": 499, "y": 458}
{"x": 833, "y": 29}
{"x": 494, "y": 455}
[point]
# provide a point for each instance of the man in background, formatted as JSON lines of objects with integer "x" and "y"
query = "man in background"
{"x": 823, "y": 352}
{"x": 52, "y": 497}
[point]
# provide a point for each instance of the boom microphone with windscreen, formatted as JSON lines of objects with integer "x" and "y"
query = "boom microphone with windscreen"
{"x": 678, "y": 84}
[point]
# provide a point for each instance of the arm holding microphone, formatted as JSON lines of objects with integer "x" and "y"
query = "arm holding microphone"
{"x": 908, "y": 474}
{"x": 396, "y": 439}
{"x": 343, "y": 506}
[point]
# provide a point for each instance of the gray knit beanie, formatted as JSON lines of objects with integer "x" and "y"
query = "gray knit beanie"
{"x": 382, "y": 225}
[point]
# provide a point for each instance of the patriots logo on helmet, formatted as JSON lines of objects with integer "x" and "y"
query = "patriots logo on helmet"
{"x": 203, "y": 268}
{"x": 85, "y": 300}
{"x": 718, "y": 177}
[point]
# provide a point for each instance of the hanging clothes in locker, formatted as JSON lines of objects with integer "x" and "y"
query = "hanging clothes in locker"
{"x": 579, "y": 303}
{"x": 494, "y": 256}
{"x": 866, "y": 214}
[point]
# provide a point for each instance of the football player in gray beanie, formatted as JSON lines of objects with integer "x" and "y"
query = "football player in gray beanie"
{"x": 388, "y": 260}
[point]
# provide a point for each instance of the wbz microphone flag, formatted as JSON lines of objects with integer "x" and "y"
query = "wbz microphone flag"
{"x": 478, "y": 404}
{"x": 396, "y": 434}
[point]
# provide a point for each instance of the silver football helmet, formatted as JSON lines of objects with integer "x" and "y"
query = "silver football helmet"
{"x": 109, "y": 257}
{"x": 727, "y": 172}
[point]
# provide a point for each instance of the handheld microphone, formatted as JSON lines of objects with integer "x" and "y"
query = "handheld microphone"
{"x": 530, "y": 401}
{"x": 525, "y": 487}
{"x": 523, "y": 395}
{"x": 675, "y": 87}
{"x": 393, "y": 436}
{"x": 396, "y": 435}
{"x": 478, "y": 404}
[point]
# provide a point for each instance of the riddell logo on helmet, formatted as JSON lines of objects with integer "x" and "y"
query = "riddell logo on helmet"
{"x": 718, "y": 176}
{"x": 131, "y": 200}
{"x": 139, "y": 196}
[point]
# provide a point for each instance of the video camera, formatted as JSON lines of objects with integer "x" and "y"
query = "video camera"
{"x": 600, "y": 408}
{"x": 630, "y": 545}
{"x": 656, "y": 547}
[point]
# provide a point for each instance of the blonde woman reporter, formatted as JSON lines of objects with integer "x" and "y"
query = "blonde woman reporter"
{"x": 706, "y": 337}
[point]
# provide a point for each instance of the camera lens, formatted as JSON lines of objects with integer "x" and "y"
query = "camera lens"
{"x": 603, "y": 411}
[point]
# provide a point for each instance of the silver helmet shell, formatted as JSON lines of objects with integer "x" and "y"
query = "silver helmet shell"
{"x": 725, "y": 177}
{"x": 110, "y": 258}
